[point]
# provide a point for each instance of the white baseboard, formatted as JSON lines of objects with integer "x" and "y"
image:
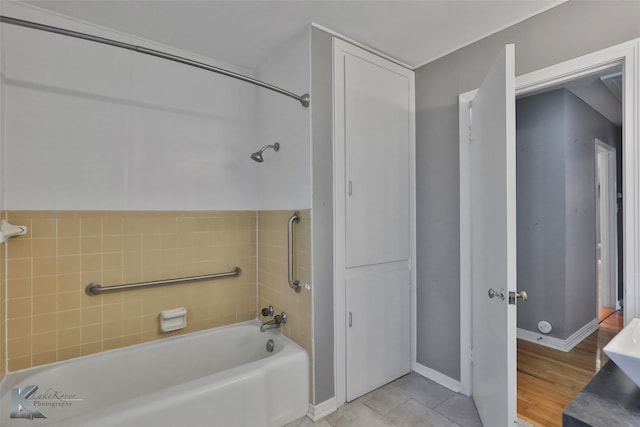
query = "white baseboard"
{"x": 557, "y": 343}
{"x": 322, "y": 409}
{"x": 523, "y": 423}
{"x": 433, "y": 375}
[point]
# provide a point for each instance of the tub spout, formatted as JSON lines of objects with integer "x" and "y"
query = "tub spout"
{"x": 275, "y": 322}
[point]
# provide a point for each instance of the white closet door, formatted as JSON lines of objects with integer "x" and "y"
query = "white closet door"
{"x": 378, "y": 328}
{"x": 376, "y": 102}
{"x": 374, "y": 144}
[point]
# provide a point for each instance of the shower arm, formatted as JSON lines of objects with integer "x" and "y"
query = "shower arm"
{"x": 304, "y": 100}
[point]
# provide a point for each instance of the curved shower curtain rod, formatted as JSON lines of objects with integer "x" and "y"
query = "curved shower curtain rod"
{"x": 303, "y": 99}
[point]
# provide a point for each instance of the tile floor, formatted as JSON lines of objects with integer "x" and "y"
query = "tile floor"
{"x": 410, "y": 401}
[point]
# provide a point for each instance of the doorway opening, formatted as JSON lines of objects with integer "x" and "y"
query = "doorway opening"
{"x": 492, "y": 150}
{"x": 569, "y": 228}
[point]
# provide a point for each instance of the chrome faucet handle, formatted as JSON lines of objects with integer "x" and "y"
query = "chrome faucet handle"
{"x": 280, "y": 318}
{"x": 267, "y": 311}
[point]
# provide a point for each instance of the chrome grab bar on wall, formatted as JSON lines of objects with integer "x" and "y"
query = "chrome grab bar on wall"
{"x": 295, "y": 284}
{"x": 94, "y": 288}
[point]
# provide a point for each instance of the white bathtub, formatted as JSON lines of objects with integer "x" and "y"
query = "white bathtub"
{"x": 219, "y": 377}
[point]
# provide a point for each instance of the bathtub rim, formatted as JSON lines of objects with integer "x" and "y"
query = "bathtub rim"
{"x": 162, "y": 340}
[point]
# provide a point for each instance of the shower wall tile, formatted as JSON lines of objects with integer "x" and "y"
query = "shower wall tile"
{"x": 273, "y": 283}
{"x": 22, "y": 304}
{"x": 49, "y": 316}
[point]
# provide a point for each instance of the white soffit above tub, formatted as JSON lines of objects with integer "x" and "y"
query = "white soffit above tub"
{"x": 246, "y": 33}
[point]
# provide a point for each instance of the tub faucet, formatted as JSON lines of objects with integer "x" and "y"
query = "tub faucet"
{"x": 275, "y": 322}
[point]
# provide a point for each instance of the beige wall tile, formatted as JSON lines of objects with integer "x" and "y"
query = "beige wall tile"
{"x": 65, "y": 250}
{"x": 113, "y": 343}
{"x": 111, "y": 226}
{"x": 43, "y": 228}
{"x": 44, "y": 358}
{"x": 69, "y": 300}
{"x": 69, "y": 319}
{"x": 19, "y": 363}
{"x": 19, "y": 247}
{"x": 44, "y": 247}
{"x": 68, "y": 227}
{"x": 19, "y": 347}
{"x": 44, "y": 323}
{"x": 69, "y": 282}
{"x": 91, "y": 315}
{"x": 91, "y": 348}
{"x": 19, "y": 327}
{"x": 42, "y": 343}
{"x": 91, "y": 262}
{"x": 69, "y": 353}
{"x": 132, "y": 339}
{"x": 113, "y": 243}
{"x": 19, "y": 307}
{"x": 44, "y": 304}
{"x": 91, "y": 333}
{"x": 68, "y": 338}
{"x": 45, "y": 266}
{"x": 19, "y": 268}
{"x": 91, "y": 227}
{"x": 44, "y": 285}
{"x": 273, "y": 287}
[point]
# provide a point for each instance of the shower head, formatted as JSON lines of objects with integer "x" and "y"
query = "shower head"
{"x": 257, "y": 156}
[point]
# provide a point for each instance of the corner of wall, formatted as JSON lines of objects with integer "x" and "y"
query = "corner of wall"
{"x": 3, "y": 248}
{"x": 273, "y": 283}
{"x": 322, "y": 209}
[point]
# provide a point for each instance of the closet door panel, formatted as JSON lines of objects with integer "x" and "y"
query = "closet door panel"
{"x": 378, "y": 325}
{"x": 377, "y": 119}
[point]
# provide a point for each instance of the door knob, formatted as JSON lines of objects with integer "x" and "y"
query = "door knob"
{"x": 515, "y": 295}
{"x": 499, "y": 294}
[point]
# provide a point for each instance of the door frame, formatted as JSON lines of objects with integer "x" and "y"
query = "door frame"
{"x": 607, "y": 224}
{"x": 625, "y": 55}
{"x": 339, "y": 224}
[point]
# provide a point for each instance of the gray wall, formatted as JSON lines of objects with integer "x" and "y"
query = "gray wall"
{"x": 556, "y": 202}
{"x": 567, "y": 31}
{"x": 322, "y": 212}
{"x": 582, "y": 126}
{"x": 540, "y": 168}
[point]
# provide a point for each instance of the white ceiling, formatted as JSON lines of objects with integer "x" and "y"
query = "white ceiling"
{"x": 246, "y": 33}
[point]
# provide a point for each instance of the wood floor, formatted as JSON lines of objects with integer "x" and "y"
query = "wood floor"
{"x": 548, "y": 380}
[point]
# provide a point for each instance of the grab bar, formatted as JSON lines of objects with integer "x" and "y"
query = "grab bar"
{"x": 294, "y": 284}
{"x": 94, "y": 288}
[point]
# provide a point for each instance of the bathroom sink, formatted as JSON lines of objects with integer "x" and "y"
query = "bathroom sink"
{"x": 624, "y": 350}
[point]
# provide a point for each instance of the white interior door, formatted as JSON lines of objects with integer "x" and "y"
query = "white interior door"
{"x": 607, "y": 224}
{"x": 493, "y": 243}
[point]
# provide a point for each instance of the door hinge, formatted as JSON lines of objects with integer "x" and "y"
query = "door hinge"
{"x": 350, "y": 319}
